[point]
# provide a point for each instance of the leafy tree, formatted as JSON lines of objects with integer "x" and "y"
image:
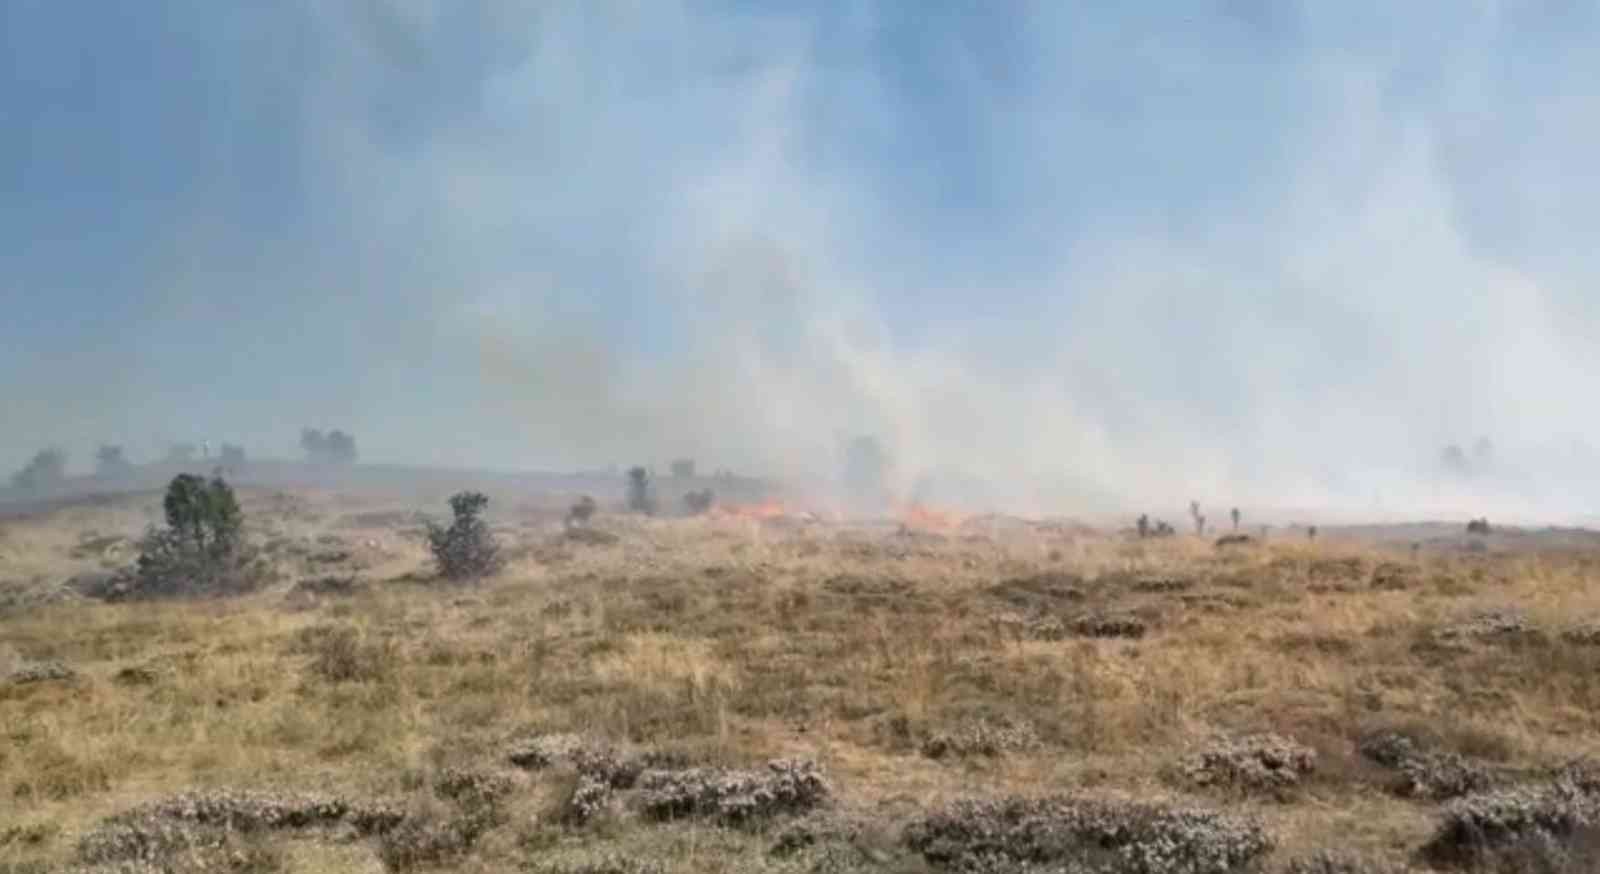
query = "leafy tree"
{"x": 201, "y": 550}
{"x": 233, "y": 457}
{"x": 467, "y": 549}
{"x": 47, "y": 468}
{"x": 579, "y": 514}
{"x": 205, "y": 514}
{"x": 641, "y": 495}
{"x": 698, "y": 502}
{"x": 334, "y": 447}
{"x": 111, "y": 463}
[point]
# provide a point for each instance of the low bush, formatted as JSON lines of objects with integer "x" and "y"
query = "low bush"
{"x": 466, "y": 550}
{"x": 1089, "y": 835}
{"x": 733, "y": 797}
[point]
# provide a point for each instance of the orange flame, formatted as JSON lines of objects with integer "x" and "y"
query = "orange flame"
{"x": 918, "y": 516}
{"x": 764, "y": 510}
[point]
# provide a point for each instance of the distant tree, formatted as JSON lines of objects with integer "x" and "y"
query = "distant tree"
{"x": 1235, "y": 514}
{"x": 47, "y": 468}
{"x": 342, "y": 447}
{"x": 641, "y": 496}
{"x": 683, "y": 468}
{"x": 334, "y": 447}
{"x": 699, "y": 502}
{"x": 1199, "y": 520}
{"x": 182, "y": 453}
{"x": 232, "y": 456}
{"x": 1143, "y": 526}
{"x": 1478, "y": 527}
{"x": 579, "y": 514}
{"x": 1455, "y": 461}
{"x": 111, "y": 463}
{"x": 1311, "y": 533}
{"x": 467, "y": 549}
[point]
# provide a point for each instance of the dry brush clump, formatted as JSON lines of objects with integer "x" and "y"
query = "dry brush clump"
{"x": 539, "y": 751}
{"x": 40, "y": 672}
{"x": 1489, "y": 625}
{"x": 342, "y": 654}
{"x": 733, "y": 797}
{"x": 986, "y": 738}
{"x": 1088, "y": 835}
{"x": 1553, "y": 827}
{"x": 1340, "y": 862}
{"x": 1251, "y": 763}
{"x": 341, "y": 586}
{"x": 473, "y": 788}
{"x": 1431, "y": 774}
{"x": 601, "y": 770}
{"x": 214, "y": 821}
{"x": 1108, "y": 624}
{"x": 433, "y": 835}
{"x": 603, "y": 862}
{"x": 1583, "y": 634}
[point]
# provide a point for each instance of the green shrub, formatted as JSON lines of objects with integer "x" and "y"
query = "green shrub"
{"x": 201, "y": 551}
{"x": 641, "y": 496}
{"x": 466, "y": 550}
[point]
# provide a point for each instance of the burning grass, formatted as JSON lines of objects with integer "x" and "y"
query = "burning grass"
{"x": 620, "y": 704}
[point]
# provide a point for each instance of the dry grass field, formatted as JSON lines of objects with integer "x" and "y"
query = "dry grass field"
{"x": 985, "y": 697}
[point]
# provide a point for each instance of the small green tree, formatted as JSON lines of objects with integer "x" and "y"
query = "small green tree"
{"x": 699, "y": 502}
{"x": 579, "y": 514}
{"x": 467, "y": 549}
{"x": 641, "y": 497}
{"x": 201, "y": 551}
{"x": 203, "y": 513}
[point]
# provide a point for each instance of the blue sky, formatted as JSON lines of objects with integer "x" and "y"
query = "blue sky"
{"x": 1278, "y": 250}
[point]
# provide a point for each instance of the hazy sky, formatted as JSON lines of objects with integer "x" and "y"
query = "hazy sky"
{"x": 1060, "y": 252}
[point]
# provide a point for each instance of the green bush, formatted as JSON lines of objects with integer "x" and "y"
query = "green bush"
{"x": 641, "y": 496}
{"x": 201, "y": 550}
{"x": 466, "y": 550}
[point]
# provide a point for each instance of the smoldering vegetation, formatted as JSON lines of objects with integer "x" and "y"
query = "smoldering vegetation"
{"x": 593, "y": 685}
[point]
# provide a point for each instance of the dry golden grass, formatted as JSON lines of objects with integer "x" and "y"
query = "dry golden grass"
{"x": 732, "y": 643}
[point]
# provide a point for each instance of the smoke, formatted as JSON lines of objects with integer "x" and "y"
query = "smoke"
{"x": 1067, "y": 258}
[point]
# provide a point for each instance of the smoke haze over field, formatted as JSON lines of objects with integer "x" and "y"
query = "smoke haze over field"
{"x": 1069, "y": 257}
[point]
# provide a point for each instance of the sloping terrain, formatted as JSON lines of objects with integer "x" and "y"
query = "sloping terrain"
{"x": 733, "y": 694}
